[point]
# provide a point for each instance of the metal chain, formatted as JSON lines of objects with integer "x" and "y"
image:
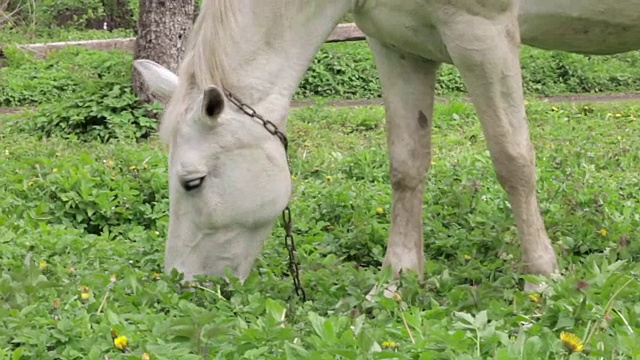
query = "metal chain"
{"x": 286, "y": 213}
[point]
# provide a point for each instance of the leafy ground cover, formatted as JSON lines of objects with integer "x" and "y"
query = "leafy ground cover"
{"x": 82, "y": 227}
{"x": 338, "y": 71}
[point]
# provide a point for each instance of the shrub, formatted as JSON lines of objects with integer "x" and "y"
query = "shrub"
{"x": 84, "y": 94}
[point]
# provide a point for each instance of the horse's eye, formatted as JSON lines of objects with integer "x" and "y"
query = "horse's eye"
{"x": 192, "y": 184}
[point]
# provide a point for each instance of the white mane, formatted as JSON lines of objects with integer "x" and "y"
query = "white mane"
{"x": 214, "y": 33}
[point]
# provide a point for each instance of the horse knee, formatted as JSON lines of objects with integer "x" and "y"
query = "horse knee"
{"x": 408, "y": 176}
{"x": 515, "y": 169}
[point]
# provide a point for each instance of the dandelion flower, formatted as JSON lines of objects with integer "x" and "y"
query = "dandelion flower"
{"x": 603, "y": 232}
{"x": 84, "y": 293}
{"x": 120, "y": 342}
{"x": 42, "y": 264}
{"x": 389, "y": 344}
{"x": 145, "y": 356}
{"x": 534, "y": 297}
{"x": 571, "y": 341}
{"x": 379, "y": 211}
{"x": 553, "y": 108}
{"x": 467, "y": 257}
{"x": 328, "y": 178}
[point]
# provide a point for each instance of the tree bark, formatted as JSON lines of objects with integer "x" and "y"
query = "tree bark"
{"x": 163, "y": 28}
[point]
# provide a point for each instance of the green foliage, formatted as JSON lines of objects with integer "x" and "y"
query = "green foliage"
{"x": 554, "y": 72}
{"x": 347, "y": 71}
{"x": 338, "y": 71}
{"x": 88, "y": 214}
{"x": 84, "y": 94}
{"x": 334, "y": 73}
{"x": 40, "y": 20}
{"x": 106, "y": 191}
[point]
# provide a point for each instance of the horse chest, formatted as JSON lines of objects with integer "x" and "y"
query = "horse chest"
{"x": 406, "y": 26}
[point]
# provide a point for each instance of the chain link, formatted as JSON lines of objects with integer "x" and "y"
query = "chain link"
{"x": 286, "y": 213}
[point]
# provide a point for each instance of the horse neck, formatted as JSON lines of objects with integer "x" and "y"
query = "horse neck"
{"x": 273, "y": 48}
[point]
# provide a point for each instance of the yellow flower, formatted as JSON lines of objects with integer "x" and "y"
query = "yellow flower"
{"x": 467, "y": 257}
{"x": 42, "y": 264}
{"x": 328, "y": 178}
{"x": 145, "y": 356}
{"x": 155, "y": 276}
{"x": 603, "y": 232}
{"x": 133, "y": 167}
{"x": 571, "y": 341}
{"x": 84, "y": 292}
{"x": 534, "y": 297}
{"x": 618, "y": 115}
{"x": 120, "y": 342}
{"x": 553, "y": 108}
{"x": 379, "y": 211}
{"x": 389, "y": 344}
{"x": 109, "y": 163}
{"x": 54, "y": 170}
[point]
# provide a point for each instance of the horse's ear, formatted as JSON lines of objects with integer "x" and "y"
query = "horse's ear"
{"x": 212, "y": 102}
{"x": 160, "y": 80}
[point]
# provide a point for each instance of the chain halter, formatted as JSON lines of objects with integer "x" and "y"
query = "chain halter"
{"x": 286, "y": 213}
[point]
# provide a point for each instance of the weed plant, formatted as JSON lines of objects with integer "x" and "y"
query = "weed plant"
{"x": 82, "y": 226}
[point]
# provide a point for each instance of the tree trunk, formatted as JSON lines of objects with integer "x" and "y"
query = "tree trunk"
{"x": 163, "y": 27}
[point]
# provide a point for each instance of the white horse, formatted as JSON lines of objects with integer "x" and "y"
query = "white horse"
{"x": 228, "y": 177}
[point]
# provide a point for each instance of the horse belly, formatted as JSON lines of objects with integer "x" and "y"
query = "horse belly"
{"x": 581, "y": 26}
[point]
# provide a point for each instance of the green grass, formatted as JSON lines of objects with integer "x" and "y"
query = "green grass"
{"x": 75, "y": 214}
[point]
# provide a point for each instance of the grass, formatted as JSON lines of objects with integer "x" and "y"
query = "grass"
{"x": 82, "y": 228}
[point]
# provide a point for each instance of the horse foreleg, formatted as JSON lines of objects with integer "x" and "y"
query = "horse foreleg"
{"x": 408, "y": 92}
{"x": 486, "y": 53}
